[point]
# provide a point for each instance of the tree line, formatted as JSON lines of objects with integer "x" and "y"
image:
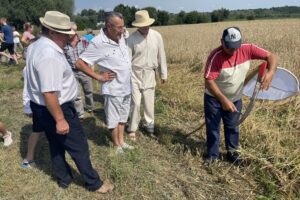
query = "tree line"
{"x": 19, "y": 11}
{"x": 90, "y": 17}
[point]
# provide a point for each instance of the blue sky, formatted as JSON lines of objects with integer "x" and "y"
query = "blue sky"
{"x": 187, "y": 5}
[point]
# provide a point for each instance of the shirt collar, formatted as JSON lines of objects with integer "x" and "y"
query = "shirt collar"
{"x": 142, "y": 35}
{"x": 105, "y": 39}
{"x": 52, "y": 44}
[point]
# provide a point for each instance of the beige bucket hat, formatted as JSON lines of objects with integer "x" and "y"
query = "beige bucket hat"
{"x": 58, "y": 22}
{"x": 142, "y": 19}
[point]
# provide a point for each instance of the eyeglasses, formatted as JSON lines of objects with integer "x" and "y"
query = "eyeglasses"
{"x": 121, "y": 28}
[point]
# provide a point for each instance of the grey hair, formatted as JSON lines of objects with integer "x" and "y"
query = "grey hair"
{"x": 110, "y": 15}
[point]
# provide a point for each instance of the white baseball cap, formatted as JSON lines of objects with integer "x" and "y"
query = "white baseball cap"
{"x": 232, "y": 37}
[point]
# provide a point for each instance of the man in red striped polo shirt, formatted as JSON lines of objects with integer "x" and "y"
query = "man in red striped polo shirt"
{"x": 225, "y": 73}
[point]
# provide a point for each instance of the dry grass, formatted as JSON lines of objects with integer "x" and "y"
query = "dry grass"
{"x": 172, "y": 166}
{"x": 270, "y": 136}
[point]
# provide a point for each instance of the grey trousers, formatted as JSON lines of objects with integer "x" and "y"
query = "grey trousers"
{"x": 87, "y": 86}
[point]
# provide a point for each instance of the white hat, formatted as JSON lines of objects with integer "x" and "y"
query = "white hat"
{"x": 232, "y": 37}
{"x": 58, "y": 22}
{"x": 142, "y": 19}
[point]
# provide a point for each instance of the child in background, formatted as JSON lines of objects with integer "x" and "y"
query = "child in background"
{"x": 6, "y": 135}
{"x": 28, "y": 161}
{"x": 17, "y": 42}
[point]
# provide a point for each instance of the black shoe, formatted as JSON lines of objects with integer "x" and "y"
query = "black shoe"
{"x": 211, "y": 161}
{"x": 12, "y": 62}
{"x": 234, "y": 158}
{"x": 62, "y": 185}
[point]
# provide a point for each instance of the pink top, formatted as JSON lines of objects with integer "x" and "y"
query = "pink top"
{"x": 229, "y": 71}
{"x": 28, "y": 36}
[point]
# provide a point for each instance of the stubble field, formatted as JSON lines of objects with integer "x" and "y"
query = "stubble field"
{"x": 172, "y": 166}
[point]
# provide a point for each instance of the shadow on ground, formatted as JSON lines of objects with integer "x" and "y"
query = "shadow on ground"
{"x": 98, "y": 134}
{"x": 42, "y": 153}
{"x": 194, "y": 143}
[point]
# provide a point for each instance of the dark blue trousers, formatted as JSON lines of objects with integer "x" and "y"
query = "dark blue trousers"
{"x": 75, "y": 143}
{"x": 213, "y": 115}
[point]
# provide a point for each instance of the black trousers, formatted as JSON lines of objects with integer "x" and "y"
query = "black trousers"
{"x": 75, "y": 143}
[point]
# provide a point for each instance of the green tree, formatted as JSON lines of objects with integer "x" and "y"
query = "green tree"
{"x": 180, "y": 17}
{"x": 203, "y": 18}
{"x": 191, "y": 17}
{"x": 88, "y": 18}
{"x": 19, "y": 11}
{"x": 163, "y": 17}
{"x": 220, "y": 15}
{"x": 127, "y": 12}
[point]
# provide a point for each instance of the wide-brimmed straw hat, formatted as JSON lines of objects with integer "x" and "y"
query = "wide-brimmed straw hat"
{"x": 58, "y": 22}
{"x": 142, "y": 19}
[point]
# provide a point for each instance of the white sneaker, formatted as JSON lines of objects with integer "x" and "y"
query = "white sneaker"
{"x": 127, "y": 146}
{"x": 119, "y": 150}
{"x": 7, "y": 139}
{"x": 81, "y": 116}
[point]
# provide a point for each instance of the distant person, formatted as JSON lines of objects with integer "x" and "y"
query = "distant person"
{"x": 28, "y": 33}
{"x": 109, "y": 51}
{"x": 27, "y": 36}
{"x": 225, "y": 73}
{"x": 89, "y": 34}
{"x": 1, "y": 37}
{"x": 17, "y": 42}
{"x": 52, "y": 87}
{"x": 75, "y": 47}
{"x": 8, "y": 41}
{"x": 146, "y": 49}
{"x": 6, "y": 135}
{"x": 28, "y": 162}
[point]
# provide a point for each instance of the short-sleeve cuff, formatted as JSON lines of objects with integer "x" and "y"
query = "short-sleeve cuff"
{"x": 87, "y": 61}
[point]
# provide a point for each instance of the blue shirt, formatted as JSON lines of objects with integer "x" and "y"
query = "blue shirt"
{"x": 8, "y": 34}
{"x": 89, "y": 37}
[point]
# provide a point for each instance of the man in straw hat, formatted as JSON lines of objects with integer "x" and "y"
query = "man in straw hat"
{"x": 147, "y": 51}
{"x": 52, "y": 88}
{"x": 109, "y": 51}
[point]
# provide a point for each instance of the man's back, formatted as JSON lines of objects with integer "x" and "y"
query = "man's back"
{"x": 8, "y": 34}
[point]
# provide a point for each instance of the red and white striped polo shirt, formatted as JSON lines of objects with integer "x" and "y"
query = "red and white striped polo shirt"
{"x": 229, "y": 71}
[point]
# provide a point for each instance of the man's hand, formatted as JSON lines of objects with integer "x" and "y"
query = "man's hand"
{"x": 228, "y": 106}
{"x": 163, "y": 81}
{"x": 52, "y": 104}
{"x": 62, "y": 127}
{"x": 272, "y": 63}
{"x": 267, "y": 80}
{"x": 107, "y": 76}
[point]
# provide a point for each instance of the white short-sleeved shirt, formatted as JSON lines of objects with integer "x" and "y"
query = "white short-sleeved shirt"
{"x": 113, "y": 56}
{"x": 48, "y": 70}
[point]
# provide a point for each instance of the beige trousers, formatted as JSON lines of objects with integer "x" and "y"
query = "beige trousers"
{"x": 141, "y": 97}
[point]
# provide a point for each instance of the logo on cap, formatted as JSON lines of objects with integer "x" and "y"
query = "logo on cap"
{"x": 232, "y": 37}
